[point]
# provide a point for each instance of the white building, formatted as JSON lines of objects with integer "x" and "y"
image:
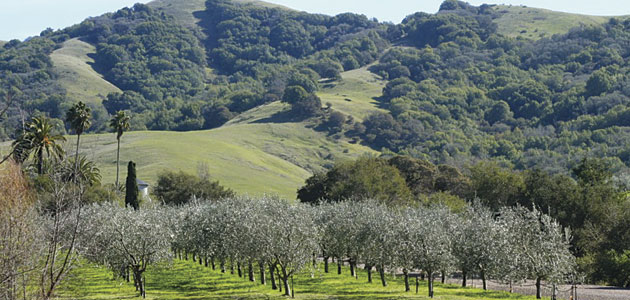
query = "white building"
{"x": 143, "y": 188}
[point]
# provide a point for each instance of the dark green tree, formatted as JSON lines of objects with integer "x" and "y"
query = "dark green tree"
{"x": 499, "y": 112}
{"x": 179, "y": 188}
{"x": 600, "y": 82}
{"x": 131, "y": 186}
{"x": 364, "y": 178}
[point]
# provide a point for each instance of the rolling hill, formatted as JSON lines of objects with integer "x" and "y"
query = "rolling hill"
{"x": 260, "y": 150}
{"x": 72, "y": 63}
{"x": 186, "y": 11}
{"x": 256, "y": 153}
{"x": 536, "y": 23}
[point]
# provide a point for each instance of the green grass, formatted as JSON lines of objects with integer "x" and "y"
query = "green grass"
{"x": 355, "y": 94}
{"x": 184, "y": 10}
{"x": 188, "y": 280}
{"x": 254, "y": 154}
{"x": 76, "y": 75}
{"x": 536, "y": 23}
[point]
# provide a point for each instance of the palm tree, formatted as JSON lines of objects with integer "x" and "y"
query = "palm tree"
{"x": 38, "y": 137}
{"x": 87, "y": 173}
{"x": 79, "y": 118}
{"x": 120, "y": 124}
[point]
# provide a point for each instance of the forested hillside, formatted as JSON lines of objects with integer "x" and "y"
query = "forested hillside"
{"x": 461, "y": 88}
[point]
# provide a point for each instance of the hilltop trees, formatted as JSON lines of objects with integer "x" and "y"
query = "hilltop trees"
{"x": 119, "y": 123}
{"x": 303, "y": 103}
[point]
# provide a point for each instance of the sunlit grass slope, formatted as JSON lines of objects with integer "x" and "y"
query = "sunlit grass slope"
{"x": 536, "y": 23}
{"x": 355, "y": 94}
{"x": 189, "y": 280}
{"x": 185, "y": 11}
{"x": 72, "y": 64}
{"x": 255, "y": 155}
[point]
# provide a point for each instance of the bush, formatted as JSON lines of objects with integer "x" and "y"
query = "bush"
{"x": 177, "y": 188}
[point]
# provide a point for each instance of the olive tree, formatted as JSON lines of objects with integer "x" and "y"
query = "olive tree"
{"x": 128, "y": 237}
{"x": 477, "y": 243}
{"x": 429, "y": 240}
{"x": 375, "y": 237}
{"x": 542, "y": 243}
{"x": 295, "y": 239}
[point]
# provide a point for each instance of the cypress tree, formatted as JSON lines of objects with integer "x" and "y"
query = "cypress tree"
{"x": 131, "y": 186}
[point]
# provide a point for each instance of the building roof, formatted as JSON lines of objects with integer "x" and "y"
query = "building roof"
{"x": 141, "y": 184}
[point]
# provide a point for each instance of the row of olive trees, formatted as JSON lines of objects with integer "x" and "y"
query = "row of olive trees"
{"x": 513, "y": 245}
{"x": 266, "y": 232}
{"x": 281, "y": 239}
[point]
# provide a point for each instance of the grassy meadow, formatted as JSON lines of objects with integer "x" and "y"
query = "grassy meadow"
{"x": 189, "y": 280}
{"x": 73, "y": 65}
{"x": 258, "y": 152}
{"x": 536, "y": 23}
{"x": 355, "y": 94}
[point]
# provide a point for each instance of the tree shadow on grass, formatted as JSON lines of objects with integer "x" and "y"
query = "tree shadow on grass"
{"x": 285, "y": 116}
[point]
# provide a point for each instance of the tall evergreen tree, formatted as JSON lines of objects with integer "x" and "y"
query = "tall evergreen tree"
{"x": 131, "y": 193}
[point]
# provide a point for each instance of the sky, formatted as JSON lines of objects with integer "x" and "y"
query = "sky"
{"x": 20, "y": 19}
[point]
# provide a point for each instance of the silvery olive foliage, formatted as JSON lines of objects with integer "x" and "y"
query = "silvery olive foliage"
{"x": 244, "y": 231}
{"x": 122, "y": 237}
{"x": 541, "y": 244}
{"x": 282, "y": 239}
{"x": 428, "y": 240}
{"x": 478, "y": 242}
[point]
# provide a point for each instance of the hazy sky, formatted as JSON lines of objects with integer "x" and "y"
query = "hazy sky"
{"x": 22, "y": 18}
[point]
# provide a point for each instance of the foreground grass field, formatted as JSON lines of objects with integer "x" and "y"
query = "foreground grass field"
{"x": 188, "y": 280}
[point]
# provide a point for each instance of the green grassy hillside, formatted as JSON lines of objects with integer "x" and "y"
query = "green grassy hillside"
{"x": 184, "y": 10}
{"x": 72, "y": 64}
{"x": 535, "y": 23}
{"x": 253, "y": 155}
{"x": 257, "y": 152}
{"x": 189, "y": 280}
{"x": 355, "y": 94}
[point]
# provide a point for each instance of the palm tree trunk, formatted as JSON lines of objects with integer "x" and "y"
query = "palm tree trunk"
{"x": 40, "y": 161}
{"x": 76, "y": 159}
{"x": 117, "y": 162}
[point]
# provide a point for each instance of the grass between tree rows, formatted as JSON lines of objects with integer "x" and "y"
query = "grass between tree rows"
{"x": 189, "y": 280}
